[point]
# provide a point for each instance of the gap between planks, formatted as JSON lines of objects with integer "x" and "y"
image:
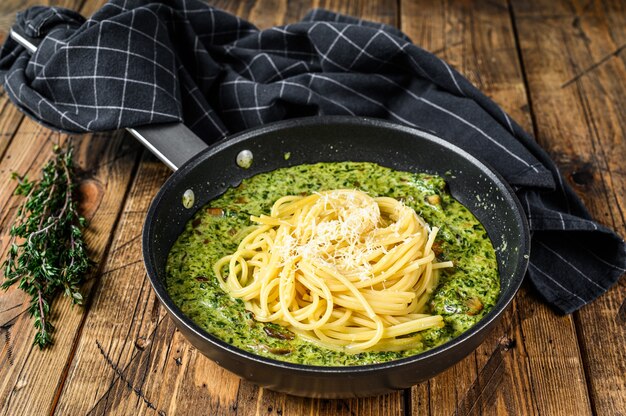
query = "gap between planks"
{"x": 96, "y": 273}
{"x": 533, "y": 116}
{"x": 93, "y": 273}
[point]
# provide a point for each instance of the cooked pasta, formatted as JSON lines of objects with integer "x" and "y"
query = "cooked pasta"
{"x": 340, "y": 268}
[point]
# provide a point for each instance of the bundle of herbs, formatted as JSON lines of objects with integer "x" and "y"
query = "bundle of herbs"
{"x": 47, "y": 253}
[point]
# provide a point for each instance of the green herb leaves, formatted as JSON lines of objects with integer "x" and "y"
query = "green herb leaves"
{"x": 47, "y": 252}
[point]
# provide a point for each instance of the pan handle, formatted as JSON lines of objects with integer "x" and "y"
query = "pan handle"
{"x": 173, "y": 143}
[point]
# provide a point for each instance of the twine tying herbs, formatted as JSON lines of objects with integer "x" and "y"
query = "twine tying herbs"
{"x": 47, "y": 253}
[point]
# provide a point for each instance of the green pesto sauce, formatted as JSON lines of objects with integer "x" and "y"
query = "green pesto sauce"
{"x": 464, "y": 294}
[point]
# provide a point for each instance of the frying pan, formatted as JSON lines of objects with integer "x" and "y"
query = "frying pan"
{"x": 202, "y": 173}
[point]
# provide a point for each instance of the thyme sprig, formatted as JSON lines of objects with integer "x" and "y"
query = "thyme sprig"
{"x": 47, "y": 253}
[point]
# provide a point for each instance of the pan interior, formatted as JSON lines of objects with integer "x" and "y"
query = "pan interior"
{"x": 314, "y": 140}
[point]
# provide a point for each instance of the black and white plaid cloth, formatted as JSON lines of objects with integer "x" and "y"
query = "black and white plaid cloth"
{"x": 139, "y": 62}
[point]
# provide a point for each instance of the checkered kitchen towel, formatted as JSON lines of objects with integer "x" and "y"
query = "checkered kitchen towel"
{"x": 137, "y": 62}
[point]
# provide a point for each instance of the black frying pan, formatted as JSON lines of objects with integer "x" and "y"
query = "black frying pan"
{"x": 205, "y": 172}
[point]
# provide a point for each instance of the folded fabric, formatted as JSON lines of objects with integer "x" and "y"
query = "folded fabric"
{"x": 139, "y": 62}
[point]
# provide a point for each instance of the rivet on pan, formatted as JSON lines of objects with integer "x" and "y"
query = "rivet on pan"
{"x": 244, "y": 159}
{"x": 188, "y": 198}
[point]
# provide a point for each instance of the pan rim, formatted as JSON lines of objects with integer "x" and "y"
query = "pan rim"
{"x": 313, "y": 370}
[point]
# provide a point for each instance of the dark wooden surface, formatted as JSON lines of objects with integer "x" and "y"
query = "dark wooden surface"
{"x": 557, "y": 66}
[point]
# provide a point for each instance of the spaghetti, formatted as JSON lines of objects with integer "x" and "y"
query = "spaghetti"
{"x": 340, "y": 268}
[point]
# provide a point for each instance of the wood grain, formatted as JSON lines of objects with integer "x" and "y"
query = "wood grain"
{"x": 577, "y": 62}
{"x": 109, "y": 374}
{"x": 123, "y": 355}
{"x": 130, "y": 358}
{"x": 31, "y": 378}
{"x": 10, "y": 119}
{"x": 478, "y": 39}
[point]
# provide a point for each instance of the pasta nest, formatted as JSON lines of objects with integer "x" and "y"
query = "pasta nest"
{"x": 340, "y": 268}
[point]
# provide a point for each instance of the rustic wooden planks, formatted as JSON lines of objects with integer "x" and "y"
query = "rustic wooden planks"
{"x": 122, "y": 355}
{"x": 573, "y": 54}
{"x": 130, "y": 359}
{"x": 10, "y": 119}
{"x": 31, "y": 378}
{"x": 125, "y": 361}
{"x": 477, "y": 38}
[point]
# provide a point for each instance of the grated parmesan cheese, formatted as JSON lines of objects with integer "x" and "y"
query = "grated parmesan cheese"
{"x": 342, "y": 234}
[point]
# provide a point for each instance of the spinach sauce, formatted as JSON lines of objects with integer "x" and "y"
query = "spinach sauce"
{"x": 465, "y": 293}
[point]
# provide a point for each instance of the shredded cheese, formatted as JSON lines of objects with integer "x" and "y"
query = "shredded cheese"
{"x": 339, "y": 266}
{"x": 343, "y": 236}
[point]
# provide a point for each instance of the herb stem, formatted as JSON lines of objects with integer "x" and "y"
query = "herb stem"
{"x": 52, "y": 256}
{"x": 42, "y": 315}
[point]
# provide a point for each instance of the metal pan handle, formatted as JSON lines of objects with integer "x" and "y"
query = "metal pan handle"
{"x": 173, "y": 143}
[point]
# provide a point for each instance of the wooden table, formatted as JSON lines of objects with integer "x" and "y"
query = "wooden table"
{"x": 557, "y": 67}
